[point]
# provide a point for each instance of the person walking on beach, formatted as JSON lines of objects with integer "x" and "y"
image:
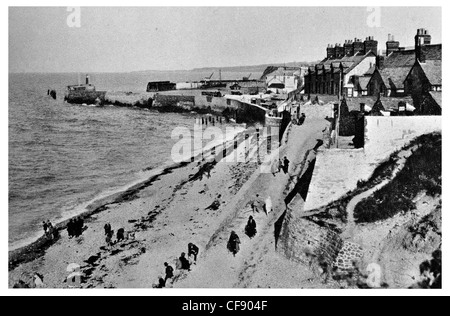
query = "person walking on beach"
{"x": 76, "y": 227}
{"x": 193, "y": 251}
{"x": 49, "y": 229}
{"x": 108, "y": 228}
{"x": 250, "y": 228}
{"x": 185, "y": 265}
{"x": 120, "y": 234}
{"x": 109, "y": 237}
{"x": 70, "y": 228}
{"x": 285, "y": 165}
{"x": 45, "y": 226}
{"x": 233, "y": 243}
{"x": 169, "y": 272}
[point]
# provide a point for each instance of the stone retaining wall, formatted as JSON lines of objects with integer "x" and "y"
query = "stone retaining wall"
{"x": 304, "y": 241}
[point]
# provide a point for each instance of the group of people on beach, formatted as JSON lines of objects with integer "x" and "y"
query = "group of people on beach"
{"x": 182, "y": 263}
{"x": 109, "y": 233}
{"x": 75, "y": 227}
{"x": 49, "y": 230}
{"x": 234, "y": 242}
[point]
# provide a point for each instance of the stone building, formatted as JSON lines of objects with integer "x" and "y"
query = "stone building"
{"x": 390, "y": 77}
{"x": 284, "y": 80}
{"x": 345, "y": 64}
{"x": 356, "y": 69}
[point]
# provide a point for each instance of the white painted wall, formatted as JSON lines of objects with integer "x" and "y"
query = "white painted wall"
{"x": 338, "y": 171}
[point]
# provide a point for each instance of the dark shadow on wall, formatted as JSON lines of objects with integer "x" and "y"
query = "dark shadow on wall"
{"x": 278, "y": 225}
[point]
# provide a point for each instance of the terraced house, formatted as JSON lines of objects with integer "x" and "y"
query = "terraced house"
{"x": 351, "y": 65}
{"x": 358, "y": 69}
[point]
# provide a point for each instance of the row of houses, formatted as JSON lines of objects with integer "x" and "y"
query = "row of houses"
{"x": 358, "y": 70}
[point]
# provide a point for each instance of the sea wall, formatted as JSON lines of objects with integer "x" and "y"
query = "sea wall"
{"x": 126, "y": 99}
{"x": 250, "y": 113}
{"x": 172, "y": 100}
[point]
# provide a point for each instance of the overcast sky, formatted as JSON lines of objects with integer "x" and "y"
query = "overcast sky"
{"x": 122, "y": 39}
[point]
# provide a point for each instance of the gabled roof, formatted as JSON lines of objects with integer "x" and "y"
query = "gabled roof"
{"x": 347, "y": 64}
{"x": 356, "y": 59}
{"x": 433, "y": 71}
{"x": 363, "y": 82}
{"x": 401, "y": 58}
{"x": 396, "y": 76}
{"x": 391, "y": 103}
{"x": 354, "y": 104}
{"x": 335, "y": 63}
{"x": 437, "y": 96}
{"x": 433, "y": 52}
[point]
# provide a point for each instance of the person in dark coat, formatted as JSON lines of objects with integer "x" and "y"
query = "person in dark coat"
{"x": 108, "y": 228}
{"x": 109, "y": 238}
{"x": 285, "y": 165}
{"x": 169, "y": 272}
{"x": 193, "y": 251}
{"x": 120, "y": 234}
{"x": 185, "y": 265}
{"x": 302, "y": 118}
{"x": 233, "y": 243}
{"x": 161, "y": 283}
{"x": 76, "y": 227}
{"x": 250, "y": 228}
{"x": 70, "y": 229}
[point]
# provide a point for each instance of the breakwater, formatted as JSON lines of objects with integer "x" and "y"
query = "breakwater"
{"x": 185, "y": 102}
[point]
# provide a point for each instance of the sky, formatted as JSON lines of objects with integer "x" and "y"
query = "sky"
{"x": 124, "y": 39}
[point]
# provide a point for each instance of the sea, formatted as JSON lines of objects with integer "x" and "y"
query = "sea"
{"x": 62, "y": 157}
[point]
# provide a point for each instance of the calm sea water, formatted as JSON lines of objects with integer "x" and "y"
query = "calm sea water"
{"x": 62, "y": 156}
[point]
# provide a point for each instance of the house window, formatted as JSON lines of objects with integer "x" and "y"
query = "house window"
{"x": 228, "y": 102}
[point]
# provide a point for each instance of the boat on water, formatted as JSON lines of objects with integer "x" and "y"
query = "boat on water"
{"x": 84, "y": 94}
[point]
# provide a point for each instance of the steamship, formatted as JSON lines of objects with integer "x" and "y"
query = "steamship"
{"x": 84, "y": 93}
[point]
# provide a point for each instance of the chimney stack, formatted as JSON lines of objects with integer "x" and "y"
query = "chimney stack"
{"x": 358, "y": 46}
{"x": 422, "y": 39}
{"x": 348, "y": 48}
{"x": 370, "y": 45}
{"x": 330, "y": 51}
{"x": 338, "y": 51}
{"x": 391, "y": 45}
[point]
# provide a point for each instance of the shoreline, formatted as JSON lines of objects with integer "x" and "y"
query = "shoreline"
{"x": 33, "y": 249}
{"x": 199, "y": 203}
